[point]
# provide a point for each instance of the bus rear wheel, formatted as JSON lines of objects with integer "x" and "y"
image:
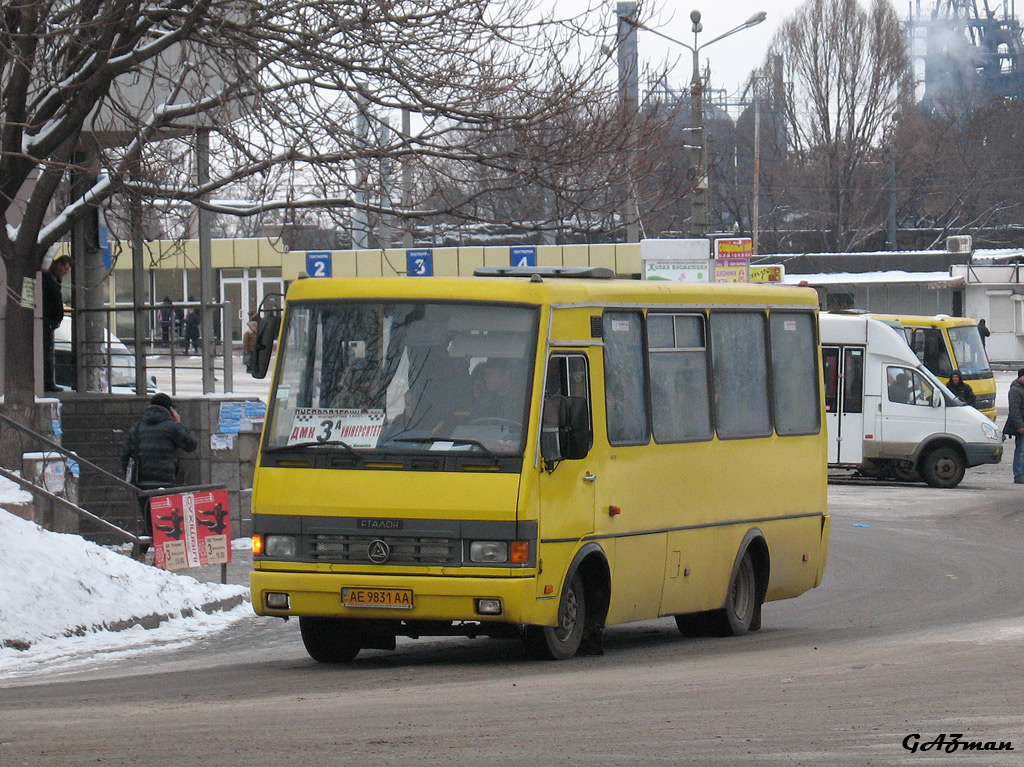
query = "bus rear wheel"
{"x": 330, "y": 640}
{"x": 741, "y": 611}
{"x": 562, "y": 641}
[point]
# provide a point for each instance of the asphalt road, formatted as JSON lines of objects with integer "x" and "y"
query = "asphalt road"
{"x": 917, "y": 628}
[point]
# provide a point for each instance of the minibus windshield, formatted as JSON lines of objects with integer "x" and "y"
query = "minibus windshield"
{"x": 969, "y": 351}
{"x": 404, "y": 377}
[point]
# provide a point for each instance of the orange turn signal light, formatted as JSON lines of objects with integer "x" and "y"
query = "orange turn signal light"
{"x": 519, "y": 552}
{"x": 257, "y": 545}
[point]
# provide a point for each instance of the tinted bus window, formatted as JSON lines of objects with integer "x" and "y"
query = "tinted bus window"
{"x": 680, "y": 408}
{"x": 794, "y": 373}
{"x": 740, "y": 366}
{"x": 624, "y": 378}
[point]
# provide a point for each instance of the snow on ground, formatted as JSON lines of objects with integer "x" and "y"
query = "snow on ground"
{"x": 63, "y": 598}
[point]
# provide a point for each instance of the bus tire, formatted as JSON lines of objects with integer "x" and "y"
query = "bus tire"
{"x": 330, "y": 640}
{"x": 943, "y": 467}
{"x": 562, "y": 641}
{"x": 741, "y": 604}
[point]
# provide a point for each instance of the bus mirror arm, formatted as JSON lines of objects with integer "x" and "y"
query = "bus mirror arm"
{"x": 566, "y": 434}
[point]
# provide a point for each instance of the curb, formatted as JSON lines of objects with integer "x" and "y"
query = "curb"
{"x": 150, "y": 621}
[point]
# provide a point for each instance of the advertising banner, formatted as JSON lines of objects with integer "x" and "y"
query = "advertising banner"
{"x": 191, "y": 529}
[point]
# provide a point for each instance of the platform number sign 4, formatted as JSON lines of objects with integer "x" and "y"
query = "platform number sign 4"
{"x": 318, "y": 263}
{"x": 523, "y": 255}
{"x": 420, "y": 262}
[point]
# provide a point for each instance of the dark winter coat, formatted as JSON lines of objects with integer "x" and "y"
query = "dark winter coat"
{"x": 154, "y": 441}
{"x": 963, "y": 391}
{"x": 1015, "y": 421}
{"x": 53, "y": 302}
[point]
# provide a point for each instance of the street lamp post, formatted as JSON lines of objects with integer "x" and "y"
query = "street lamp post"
{"x": 698, "y": 205}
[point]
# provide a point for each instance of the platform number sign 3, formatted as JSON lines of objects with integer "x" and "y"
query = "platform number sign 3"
{"x": 420, "y": 262}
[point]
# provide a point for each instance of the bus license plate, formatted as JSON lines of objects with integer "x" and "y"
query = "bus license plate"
{"x": 388, "y": 598}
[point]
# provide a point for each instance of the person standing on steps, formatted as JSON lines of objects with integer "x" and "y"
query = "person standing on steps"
{"x": 149, "y": 455}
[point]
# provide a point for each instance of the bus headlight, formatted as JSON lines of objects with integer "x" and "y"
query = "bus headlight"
{"x": 990, "y": 431}
{"x": 280, "y": 546}
{"x": 488, "y": 552}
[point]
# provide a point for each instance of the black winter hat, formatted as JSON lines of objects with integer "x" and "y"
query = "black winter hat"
{"x": 162, "y": 400}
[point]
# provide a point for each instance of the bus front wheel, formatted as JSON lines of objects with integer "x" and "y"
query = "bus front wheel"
{"x": 330, "y": 640}
{"x": 561, "y": 641}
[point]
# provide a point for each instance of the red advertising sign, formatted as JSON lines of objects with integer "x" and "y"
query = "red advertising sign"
{"x": 191, "y": 529}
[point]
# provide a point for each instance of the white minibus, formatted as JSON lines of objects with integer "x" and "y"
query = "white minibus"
{"x": 888, "y": 415}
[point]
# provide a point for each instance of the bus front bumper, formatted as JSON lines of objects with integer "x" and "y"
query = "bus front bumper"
{"x": 433, "y": 598}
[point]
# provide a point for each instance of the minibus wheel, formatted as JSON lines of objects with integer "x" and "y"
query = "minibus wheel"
{"x": 943, "y": 467}
{"x": 330, "y": 640}
{"x": 561, "y": 641}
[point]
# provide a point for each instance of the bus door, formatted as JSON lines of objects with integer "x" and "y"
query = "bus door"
{"x": 567, "y": 490}
{"x": 844, "y": 402}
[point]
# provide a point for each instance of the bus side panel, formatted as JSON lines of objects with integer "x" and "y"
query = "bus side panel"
{"x": 685, "y": 510}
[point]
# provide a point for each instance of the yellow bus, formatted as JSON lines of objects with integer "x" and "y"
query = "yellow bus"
{"x": 944, "y": 344}
{"x": 537, "y": 453}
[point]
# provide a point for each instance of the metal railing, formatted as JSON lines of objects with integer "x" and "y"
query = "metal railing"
{"x": 90, "y": 473}
{"x": 129, "y": 362}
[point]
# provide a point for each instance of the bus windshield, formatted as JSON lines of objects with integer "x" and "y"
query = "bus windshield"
{"x": 366, "y": 376}
{"x": 968, "y": 350}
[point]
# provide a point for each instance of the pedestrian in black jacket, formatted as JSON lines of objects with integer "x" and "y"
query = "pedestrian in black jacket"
{"x": 960, "y": 388}
{"x": 151, "y": 450}
{"x": 53, "y": 315}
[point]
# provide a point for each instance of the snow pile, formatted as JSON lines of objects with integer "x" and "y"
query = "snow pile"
{"x": 11, "y": 492}
{"x": 54, "y": 587}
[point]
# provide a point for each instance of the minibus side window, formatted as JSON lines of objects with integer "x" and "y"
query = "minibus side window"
{"x": 625, "y": 378}
{"x": 908, "y": 387}
{"x": 853, "y": 381}
{"x": 740, "y": 368}
{"x": 680, "y": 405}
{"x": 794, "y": 373}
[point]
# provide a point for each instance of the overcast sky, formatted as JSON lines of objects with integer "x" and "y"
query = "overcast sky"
{"x": 731, "y": 59}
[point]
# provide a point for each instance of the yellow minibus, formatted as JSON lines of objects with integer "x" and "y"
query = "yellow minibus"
{"x": 537, "y": 453}
{"x": 944, "y": 344}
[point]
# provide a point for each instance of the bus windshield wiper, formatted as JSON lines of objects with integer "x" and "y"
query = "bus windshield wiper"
{"x": 326, "y": 443}
{"x": 454, "y": 441}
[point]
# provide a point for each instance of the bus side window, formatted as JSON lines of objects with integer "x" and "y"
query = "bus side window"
{"x": 567, "y": 431}
{"x": 568, "y": 376}
{"x": 740, "y": 365}
{"x": 680, "y": 405}
{"x": 795, "y": 373}
{"x": 625, "y": 378}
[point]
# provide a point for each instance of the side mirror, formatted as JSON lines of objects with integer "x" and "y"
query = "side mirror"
{"x": 565, "y": 429}
{"x": 266, "y": 333}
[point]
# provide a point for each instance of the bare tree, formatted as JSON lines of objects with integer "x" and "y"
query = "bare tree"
{"x": 961, "y": 172}
{"x": 113, "y": 92}
{"x": 848, "y": 72}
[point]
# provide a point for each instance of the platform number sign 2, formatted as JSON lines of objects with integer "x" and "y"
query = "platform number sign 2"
{"x": 420, "y": 262}
{"x": 318, "y": 263}
{"x": 523, "y": 255}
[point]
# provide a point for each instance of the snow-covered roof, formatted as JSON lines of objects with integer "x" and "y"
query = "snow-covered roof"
{"x": 932, "y": 279}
